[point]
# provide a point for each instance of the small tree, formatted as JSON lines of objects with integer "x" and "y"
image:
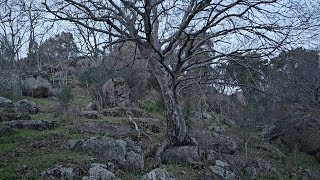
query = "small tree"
{"x": 58, "y": 49}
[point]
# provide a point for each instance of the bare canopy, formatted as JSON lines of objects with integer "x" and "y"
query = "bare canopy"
{"x": 173, "y": 35}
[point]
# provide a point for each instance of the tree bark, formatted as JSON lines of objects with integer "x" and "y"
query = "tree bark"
{"x": 176, "y": 125}
{"x": 176, "y": 133}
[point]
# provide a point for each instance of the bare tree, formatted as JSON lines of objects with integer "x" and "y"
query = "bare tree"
{"x": 22, "y": 24}
{"x": 170, "y": 34}
{"x": 12, "y": 31}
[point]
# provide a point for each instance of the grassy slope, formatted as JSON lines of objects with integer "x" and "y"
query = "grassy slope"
{"x": 17, "y": 153}
{"x": 16, "y": 149}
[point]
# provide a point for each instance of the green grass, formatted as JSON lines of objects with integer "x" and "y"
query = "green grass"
{"x": 81, "y": 99}
{"x": 20, "y": 135}
{"x": 45, "y": 104}
{"x": 40, "y": 161}
{"x": 111, "y": 120}
{"x": 300, "y": 159}
{"x": 44, "y": 116}
{"x": 182, "y": 172}
{"x": 154, "y": 107}
{"x": 9, "y": 146}
{"x": 15, "y": 151}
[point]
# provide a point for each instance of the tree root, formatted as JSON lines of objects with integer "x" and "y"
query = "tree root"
{"x": 167, "y": 143}
{"x": 160, "y": 149}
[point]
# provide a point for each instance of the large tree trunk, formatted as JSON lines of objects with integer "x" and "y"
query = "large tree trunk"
{"x": 176, "y": 133}
{"x": 176, "y": 124}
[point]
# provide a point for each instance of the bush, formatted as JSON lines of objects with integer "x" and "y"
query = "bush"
{"x": 65, "y": 98}
{"x": 94, "y": 76}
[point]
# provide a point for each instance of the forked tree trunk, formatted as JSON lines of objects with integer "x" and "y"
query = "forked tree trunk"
{"x": 176, "y": 132}
{"x": 176, "y": 125}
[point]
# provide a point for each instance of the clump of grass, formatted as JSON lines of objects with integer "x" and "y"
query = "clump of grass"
{"x": 45, "y": 104}
{"x": 300, "y": 159}
{"x": 81, "y": 98}
{"x": 154, "y": 107}
{"x": 65, "y": 97}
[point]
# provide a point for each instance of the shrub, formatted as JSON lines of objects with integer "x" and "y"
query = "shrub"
{"x": 65, "y": 98}
{"x": 94, "y": 76}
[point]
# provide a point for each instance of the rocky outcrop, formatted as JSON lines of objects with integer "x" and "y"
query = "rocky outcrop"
{"x": 99, "y": 128}
{"x": 4, "y": 130}
{"x": 115, "y": 93}
{"x": 16, "y": 111}
{"x": 182, "y": 155}
{"x": 92, "y": 106}
{"x": 123, "y": 152}
{"x": 8, "y": 114}
{"x": 37, "y": 87}
{"x": 221, "y": 171}
{"x": 156, "y": 174}
{"x": 60, "y": 173}
{"x": 220, "y": 142}
{"x": 31, "y": 124}
{"x": 5, "y": 103}
{"x": 100, "y": 172}
{"x": 26, "y": 106}
{"x": 90, "y": 114}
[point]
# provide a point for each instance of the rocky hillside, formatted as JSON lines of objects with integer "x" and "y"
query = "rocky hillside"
{"x": 87, "y": 142}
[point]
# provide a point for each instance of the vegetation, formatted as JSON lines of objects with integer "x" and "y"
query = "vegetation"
{"x": 227, "y": 77}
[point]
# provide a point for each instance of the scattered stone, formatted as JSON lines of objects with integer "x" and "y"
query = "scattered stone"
{"x": 73, "y": 144}
{"x": 157, "y": 174}
{"x": 92, "y": 106}
{"x": 93, "y": 127}
{"x": 303, "y": 174}
{"x": 264, "y": 166}
{"x": 32, "y": 124}
{"x": 115, "y": 93}
{"x": 115, "y": 150}
{"x": 5, "y": 103}
{"x": 37, "y": 87}
{"x": 216, "y": 141}
{"x": 271, "y": 150}
{"x": 99, "y": 172}
{"x": 9, "y": 114}
{"x": 90, "y": 114}
{"x": 109, "y": 166}
{"x": 134, "y": 160}
{"x": 251, "y": 172}
{"x": 222, "y": 171}
{"x": 4, "y": 130}
{"x": 109, "y": 149}
{"x": 24, "y": 171}
{"x": 26, "y": 106}
{"x": 182, "y": 155}
{"x": 60, "y": 173}
{"x": 206, "y": 115}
